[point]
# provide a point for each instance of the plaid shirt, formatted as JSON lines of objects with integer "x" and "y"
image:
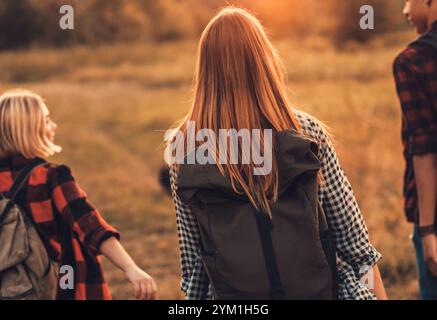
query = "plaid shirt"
{"x": 355, "y": 253}
{"x": 69, "y": 226}
{"x": 415, "y": 73}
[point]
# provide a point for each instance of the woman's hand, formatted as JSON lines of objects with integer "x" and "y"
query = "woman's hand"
{"x": 145, "y": 286}
{"x": 378, "y": 286}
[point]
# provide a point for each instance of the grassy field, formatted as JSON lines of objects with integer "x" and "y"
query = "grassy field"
{"x": 113, "y": 104}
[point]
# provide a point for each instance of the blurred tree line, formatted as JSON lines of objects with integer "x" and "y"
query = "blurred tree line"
{"x": 25, "y": 23}
{"x": 337, "y": 20}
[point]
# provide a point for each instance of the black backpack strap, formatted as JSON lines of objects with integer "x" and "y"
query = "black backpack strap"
{"x": 329, "y": 248}
{"x": 18, "y": 184}
{"x": 265, "y": 227}
{"x": 22, "y": 178}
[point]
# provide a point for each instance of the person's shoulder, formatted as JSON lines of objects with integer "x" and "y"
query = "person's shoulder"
{"x": 58, "y": 167}
{"x": 312, "y": 127}
{"x": 409, "y": 53}
{"x": 414, "y": 54}
{"x": 58, "y": 172}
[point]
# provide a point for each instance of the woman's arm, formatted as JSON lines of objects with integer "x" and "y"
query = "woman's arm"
{"x": 194, "y": 282}
{"x": 344, "y": 217}
{"x": 145, "y": 286}
{"x": 354, "y": 250}
{"x": 378, "y": 285}
{"x": 94, "y": 233}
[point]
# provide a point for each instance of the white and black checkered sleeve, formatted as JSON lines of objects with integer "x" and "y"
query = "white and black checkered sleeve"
{"x": 194, "y": 281}
{"x": 355, "y": 252}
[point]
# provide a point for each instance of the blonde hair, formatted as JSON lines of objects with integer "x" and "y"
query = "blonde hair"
{"x": 22, "y": 126}
{"x": 240, "y": 84}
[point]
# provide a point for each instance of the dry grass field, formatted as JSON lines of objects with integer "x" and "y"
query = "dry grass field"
{"x": 113, "y": 104}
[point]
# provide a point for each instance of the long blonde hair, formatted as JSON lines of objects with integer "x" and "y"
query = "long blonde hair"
{"x": 22, "y": 126}
{"x": 240, "y": 83}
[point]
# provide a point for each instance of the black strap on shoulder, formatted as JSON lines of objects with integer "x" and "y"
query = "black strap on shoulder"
{"x": 22, "y": 178}
{"x": 18, "y": 184}
{"x": 265, "y": 226}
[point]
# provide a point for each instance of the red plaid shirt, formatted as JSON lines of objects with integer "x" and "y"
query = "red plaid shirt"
{"x": 415, "y": 72}
{"x": 69, "y": 226}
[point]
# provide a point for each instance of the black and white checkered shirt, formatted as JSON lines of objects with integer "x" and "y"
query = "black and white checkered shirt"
{"x": 355, "y": 254}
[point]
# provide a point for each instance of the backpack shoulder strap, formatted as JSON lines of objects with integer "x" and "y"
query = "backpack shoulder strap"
{"x": 265, "y": 226}
{"x": 22, "y": 178}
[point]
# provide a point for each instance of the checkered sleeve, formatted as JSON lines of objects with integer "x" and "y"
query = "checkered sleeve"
{"x": 194, "y": 281}
{"x": 355, "y": 253}
{"x": 350, "y": 288}
{"x": 72, "y": 204}
{"x": 411, "y": 75}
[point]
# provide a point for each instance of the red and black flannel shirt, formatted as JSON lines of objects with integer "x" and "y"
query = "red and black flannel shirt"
{"x": 69, "y": 226}
{"x": 415, "y": 72}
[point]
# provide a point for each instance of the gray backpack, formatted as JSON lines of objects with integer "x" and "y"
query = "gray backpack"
{"x": 246, "y": 254}
{"x": 26, "y": 270}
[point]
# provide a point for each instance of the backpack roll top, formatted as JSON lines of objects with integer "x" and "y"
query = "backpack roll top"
{"x": 296, "y": 156}
{"x": 248, "y": 257}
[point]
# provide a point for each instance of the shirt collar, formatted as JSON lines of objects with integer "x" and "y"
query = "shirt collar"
{"x": 16, "y": 161}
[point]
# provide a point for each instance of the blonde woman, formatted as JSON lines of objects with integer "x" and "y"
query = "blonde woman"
{"x": 71, "y": 229}
{"x": 239, "y": 84}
